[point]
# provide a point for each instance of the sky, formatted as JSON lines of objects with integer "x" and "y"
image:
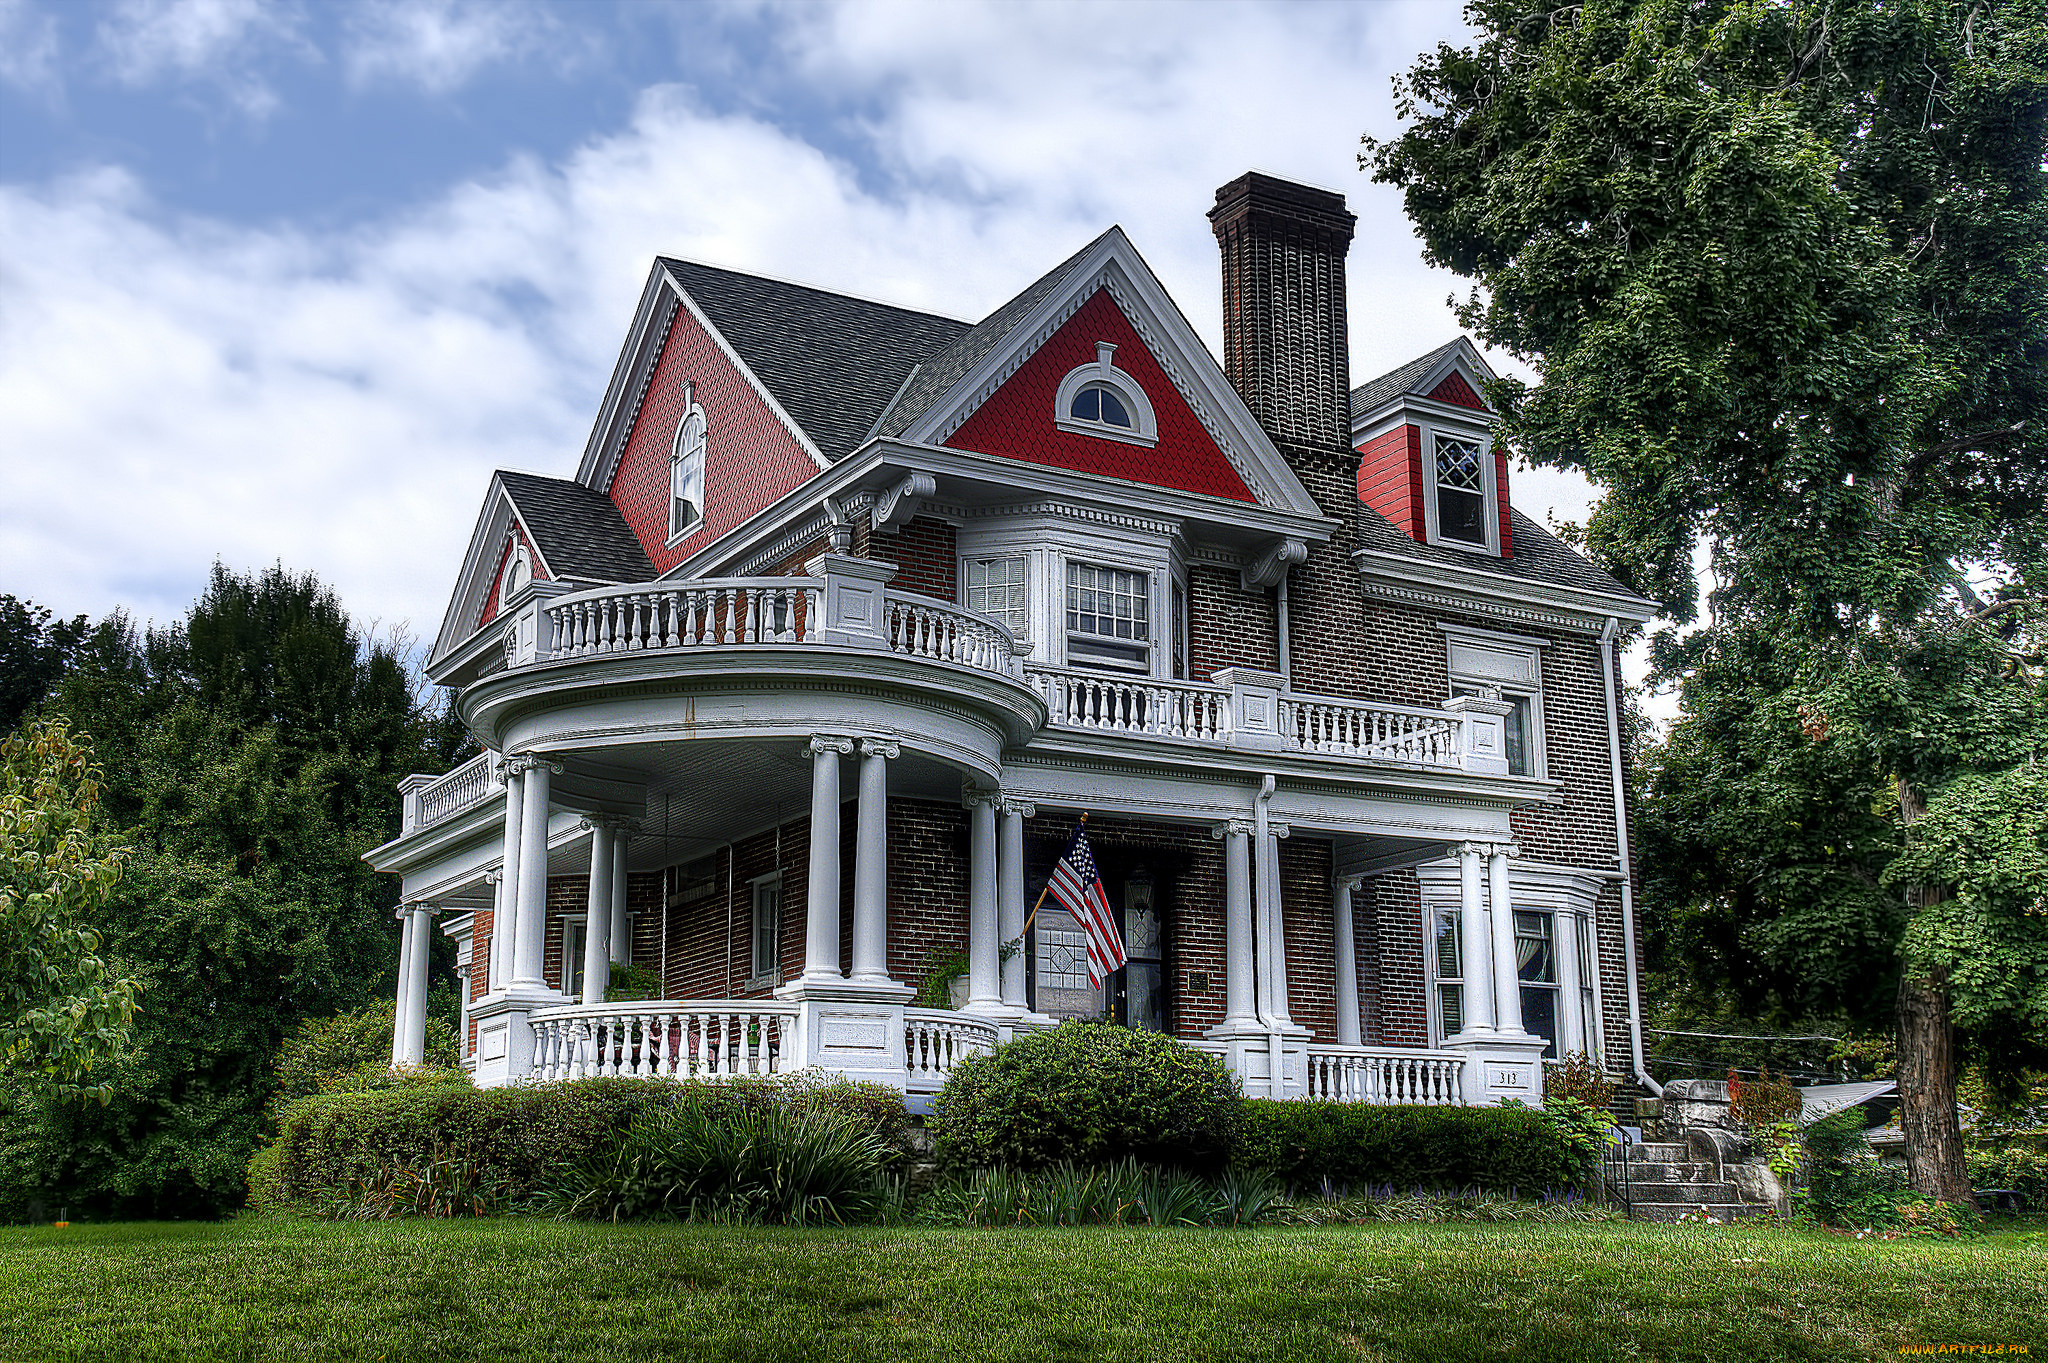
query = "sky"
{"x": 283, "y": 281}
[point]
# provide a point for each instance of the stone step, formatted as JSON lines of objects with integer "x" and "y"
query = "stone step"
{"x": 1657, "y": 1152}
{"x": 1690, "y": 1171}
{"x": 1672, "y": 1211}
{"x": 1641, "y": 1191}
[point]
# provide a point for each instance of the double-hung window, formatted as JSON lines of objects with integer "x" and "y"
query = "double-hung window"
{"x": 765, "y": 958}
{"x": 995, "y": 587}
{"x": 1109, "y": 617}
{"x": 686, "y": 471}
{"x": 1509, "y": 667}
{"x": 1536, "y": 968}
{"x": 1460, "y": 489}
{"x": 1450, "y": 977}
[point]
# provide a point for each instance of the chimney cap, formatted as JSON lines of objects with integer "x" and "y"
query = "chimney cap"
{"x": 1268, "y": 195}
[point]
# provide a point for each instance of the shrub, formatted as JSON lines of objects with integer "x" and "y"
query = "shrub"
{"x": 631, "y": 982}
{"x": 1846, "y": 1185}
{"x": 1588, "y": 1132}
{"x": 1575, "y": 1076}
{"x": 1088, "y": 1094}
{"x": 701, "y": 1159}
{"x": 350, "y": 1050}
{"x": 1320, "y": 1144}
{"x": 1763, "y": 1102}
{"x": 2023, "y": 1170}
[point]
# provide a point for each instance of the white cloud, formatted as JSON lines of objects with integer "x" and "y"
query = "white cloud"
{"x": 174, "y": 389}
{"x": 439, "y": 45}
{"x": 222, "y": 43}
{"x": 28, "y": 50}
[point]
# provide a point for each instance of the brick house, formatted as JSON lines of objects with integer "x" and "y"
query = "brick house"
{"x": 795, "y": 691}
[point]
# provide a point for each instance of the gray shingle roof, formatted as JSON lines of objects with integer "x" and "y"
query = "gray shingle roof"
{"x": 832, "y": 361}
{"x": 936, "y": 377}
{"x": 1539, "y": 556}
{"x": 580, "y": 533}
{"x": 1379, "y": 392}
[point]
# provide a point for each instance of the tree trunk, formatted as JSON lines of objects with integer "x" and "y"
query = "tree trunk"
{"x": 1927, "y": 1060}
{"x": 1927, "y": 1090}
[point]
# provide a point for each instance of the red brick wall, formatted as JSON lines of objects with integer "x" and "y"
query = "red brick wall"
{"x": 750, "y": 457}
{"x": 1327, "y": 627}
{"x": 1308, "y": 918}
{"x": 1390, "y": 478}
{"x": 1227, "y": 625}
{"x": 1500, "y": 479}
{"x": 926, "y": 555}
{"x": 1017, "y": 419}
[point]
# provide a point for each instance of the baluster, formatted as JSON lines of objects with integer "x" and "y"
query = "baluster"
{"x": 810, "y": 611}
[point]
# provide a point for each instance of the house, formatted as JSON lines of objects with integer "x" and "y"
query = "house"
{"x": 849, "y": 613}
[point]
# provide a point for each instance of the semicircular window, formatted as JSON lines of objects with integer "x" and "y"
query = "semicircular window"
{"x": 1100, "y": 402}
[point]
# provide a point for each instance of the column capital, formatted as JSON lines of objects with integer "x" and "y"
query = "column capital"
{"x": 496, "y": 877}
{"x": 1350, "y": 882}
{"x": 973, "y": 796}
{"x": 838, "y": 743}
{"x": 1277, "y": 829}
{"x": 1472, "y": 849}
{"x": 416, "y": 906}
{"x": 518, "y": 764}
{"x": 1012, "y": 804}
{"x": 617, "y": 823}
{"x": 1242, "y": 827}
{"x": 1510, "y": 850}
{"x": 880, "y": 747}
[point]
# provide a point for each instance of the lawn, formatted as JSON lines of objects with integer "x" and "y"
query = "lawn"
{"x": 523, "y": 1289}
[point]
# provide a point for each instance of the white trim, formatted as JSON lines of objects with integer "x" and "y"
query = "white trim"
{"x": 692, "y": 410}
{"x": 1489, "y": 488}
{"x": 633, "y": 372}
{"x": 1492, "y": 638}
{"x": 495, "y": 522}
{"x": 1520, "y": 683}
{"x": 1471, "y": 366}
{"x": 754, "y": 887}
{"x": 1104, "y": 374}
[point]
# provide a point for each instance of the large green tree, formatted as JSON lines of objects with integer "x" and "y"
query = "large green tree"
{"x": 1782, "y": 272}
{"x": 252, "y": 752}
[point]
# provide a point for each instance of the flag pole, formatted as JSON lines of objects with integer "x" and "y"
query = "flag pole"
{"x": 1033, "y": 915}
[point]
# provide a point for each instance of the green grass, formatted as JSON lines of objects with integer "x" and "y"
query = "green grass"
{"x": 524, "y": 1289}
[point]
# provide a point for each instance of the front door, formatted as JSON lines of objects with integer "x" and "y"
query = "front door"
{"x": 1137, "y": 992}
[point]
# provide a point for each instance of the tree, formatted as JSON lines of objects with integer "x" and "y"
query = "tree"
{"x": 1779, "y": 270}
{"x": 33, "y": 655}
{"x": 62, "y": 1010}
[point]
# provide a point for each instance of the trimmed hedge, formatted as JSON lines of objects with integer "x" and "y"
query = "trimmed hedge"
{"x": 1349, "y": 1145}
{"x": 1088, "y": 1094}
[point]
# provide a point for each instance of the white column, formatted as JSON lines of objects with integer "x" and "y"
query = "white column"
{"x": 821, "y": 919}
{"x": 984, "y": 983}
{"x": 1010, "y": 898}
{"x": 1571, "y": 1018}
{"x": 401, "y": 1023}
{"x": 1507, "y": 984}
{"x": 1348, "y": 1030}
{"x": 1474, "y": 940}
{"x": 597, "y": 920}
{"x": 871, "y": 862}
{"x": 622, "y": 928}
{"x": 530, "y": 934}
{"x": 1239, "y": 1002}
{"x": 419, "y": 924}
{"x": 501, "y": 918}
{"x": 505, "y": 923}
{"x": 1276, "y": 925}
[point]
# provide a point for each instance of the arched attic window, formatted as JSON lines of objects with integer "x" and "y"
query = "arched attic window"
{"x": 518, "y": 572}
{"x": 686, "y": 470}
{"x": 1101, "y": 400}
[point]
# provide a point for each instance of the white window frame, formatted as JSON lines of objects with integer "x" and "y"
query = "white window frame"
{"x": 1441, "y": 922}
{"x": 1144, "y": 429}
{"x": 1048, "y": 542}
{"x": 1489, "y": 481}
{"x": 1148, "y": 594}
{"x": 1555, "y": 984}
{"x": 681, "y": 462}
{"x": 1512, "y": 664}
{"x": 519, "y": 565}
{"x": 757, "y": 888}
{"x": 574, "y": 928}
{"x": 1021, "y": 627}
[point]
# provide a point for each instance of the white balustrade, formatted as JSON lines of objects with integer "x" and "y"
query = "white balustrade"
{"x": 1385, "y": 733}
{"x": 664, "y": 1039}
{"x": 925, "y": 627}
{"x": 469, "y": 784}
{"x": 935, "y": 1040}
{"x": 1133, "y": 705}
{"x": 1383, "y": 1078}
{"x": 641, "y": 616}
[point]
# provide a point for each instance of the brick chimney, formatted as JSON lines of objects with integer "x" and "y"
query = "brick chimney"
{"x": 1284, "y": 339}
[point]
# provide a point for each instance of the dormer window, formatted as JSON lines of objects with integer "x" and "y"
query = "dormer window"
{"x": 518, "y": 572}
{"x": 686, "y": 470}
{"x": 1464, "y": 496}
{"x": 1103, "y": 401}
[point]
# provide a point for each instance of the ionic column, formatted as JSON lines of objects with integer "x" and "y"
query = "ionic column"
{"x": 1571, "y": 1005}
{"x": 1507, "y": 982}
{"x": 1239, "y": 1001}
{"x": 530, "y": 939}
{"x": 984, "y": 983}
{"x": 597, "y": 922}
{"x": 1010, "y": 898}
{"x": 501, "y": 922}
{"x": 821, "y": 919}
{"x": 622, "y": 929}
{"x": 419, "y": 926}
{"x": 505, "y": 924}
{"x": 1474, "y": 940}
{"x": 1276, "y": 924}
{"x": 1348, "y": 1030}
{"x": 401, "y": 1023}
{"x": 871, "y": 862}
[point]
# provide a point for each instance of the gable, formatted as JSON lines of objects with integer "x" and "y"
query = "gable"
{"x": 1017, "y": 421}
{"x": 496, "y": 592}
{"x": 1454, "y": 390}
{"x": 751, "y": 457}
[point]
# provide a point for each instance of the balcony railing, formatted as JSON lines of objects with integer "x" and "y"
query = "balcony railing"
{"x": 934, "y": 1041}
{"x": 443, "y": 797}
{"x": 1383, "y": 1078}
{"x": 1133, "y": 705}
{"x": 1386, "y": 733}
{"x": 662, "y": 1039}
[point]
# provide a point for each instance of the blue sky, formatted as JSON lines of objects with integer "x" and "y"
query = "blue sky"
{"x": 285, "y": 281}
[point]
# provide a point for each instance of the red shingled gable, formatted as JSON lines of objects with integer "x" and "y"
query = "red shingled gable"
{"x": 491, "y": 600}
{"x": 1017, "y": 419}
{"x": 750, "y": 458}
{"x": 1456, "y": 391}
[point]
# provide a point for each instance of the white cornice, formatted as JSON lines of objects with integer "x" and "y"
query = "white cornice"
{"x": 1398, "y": 577}
{"x": 631, "y": 374}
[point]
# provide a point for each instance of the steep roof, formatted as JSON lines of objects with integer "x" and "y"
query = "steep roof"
{"x": 1379, "y": 392}
{"x": 937, "y": 375}
{"x": 832, "y": 361}
{"x": 1539, "y": 555}
{"x": 579, "y": 532}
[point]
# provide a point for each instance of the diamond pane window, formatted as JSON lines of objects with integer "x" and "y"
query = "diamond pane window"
{"x": 1460, "y": 493}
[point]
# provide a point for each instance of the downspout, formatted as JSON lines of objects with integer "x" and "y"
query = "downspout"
{"x": 1286, "y": 671}
{"x": 1609, "y": 666}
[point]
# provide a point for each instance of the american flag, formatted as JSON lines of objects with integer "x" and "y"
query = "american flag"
{"x": 1077, "y": 885}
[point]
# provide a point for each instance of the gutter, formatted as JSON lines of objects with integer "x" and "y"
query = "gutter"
{"x": 1609, "y": 667}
